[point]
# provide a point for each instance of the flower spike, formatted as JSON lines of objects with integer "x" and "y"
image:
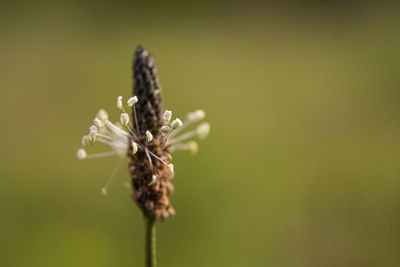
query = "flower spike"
{"x": 146, "y": 137}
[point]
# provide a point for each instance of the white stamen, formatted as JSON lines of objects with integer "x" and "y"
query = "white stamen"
{"x": 183, "y": 137}
{"x": 191, "y": 118}
{"x": 111, "y": 177}
{"x": 192, "y": 147}
{"x": 134, "y": 148}
{"x": 176, "y": 123}
{"x": 116, "y": 130}
{"x": 102, "y": 115}
{"x": 92, "y": 134}
{"x": 104, "y": 192}
{"x": 85, "y": 140}
{"x": 165, "y": 129}
{"x": 81, "y": 153}
{"x": 153, "y": 180}
{"x": 132, "y": 101}
{"x": 135, "y": 118}
{"x": 149, "y": 136}
{"x": 124, "y": 119}
{"x": 167, "y": 116}
{"x": 98, "y": 123}
{"x": 119, "y": 102}
{"x": 93, "y": 128}
{"x": 196, "y": 115}
{"x": 171, "y": 167}
{"x": 203, "y": 130}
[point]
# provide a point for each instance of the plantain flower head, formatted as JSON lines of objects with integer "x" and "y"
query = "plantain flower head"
{"x": 147, "y": 137}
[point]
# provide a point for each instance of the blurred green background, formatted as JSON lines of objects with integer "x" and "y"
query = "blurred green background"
{"x": 302, "y": 164}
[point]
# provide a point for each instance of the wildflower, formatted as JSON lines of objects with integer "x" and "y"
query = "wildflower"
{"x": 146, "y": 138}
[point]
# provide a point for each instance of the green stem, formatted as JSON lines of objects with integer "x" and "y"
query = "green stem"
{"x": 150, "y": 241}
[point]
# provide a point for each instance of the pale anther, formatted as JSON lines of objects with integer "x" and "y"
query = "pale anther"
{"x": 124, "y": 118}
{"x": 149, "y": 136}
{"x": 92, "y": 134}
{"x": 167, "y": 116}
{"x": 102, "y": 115}
{"x": 153, "y": 180}
{"x": 81, "y": 153}
{"x": 176, "y": 123}
{"x": 196, "y": 115}
{"x": 165, "y": 129}
{"x": 171, "y": 167}
{"x": 93, "y": 129}
{"x": 192, "y": 147}
{"x": 119, "y": 102}
{"x": 98, "y": 123}
{"x": 104, "y": 192}
{"x": 203, "y": 130}
{"x": 134, "y": 148}
{"x": 85, "y": 140}
{"x": 132, "y": 101}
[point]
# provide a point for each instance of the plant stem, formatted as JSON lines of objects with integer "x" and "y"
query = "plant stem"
{"x": 150, "y": 240}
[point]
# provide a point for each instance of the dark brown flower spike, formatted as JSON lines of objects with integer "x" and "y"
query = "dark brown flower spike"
{"x": 147, "y": 138}
{"x": 150, "y": 178}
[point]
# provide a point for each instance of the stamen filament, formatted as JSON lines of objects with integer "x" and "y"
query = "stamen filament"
{"x": 115, "y": 129}
{"x": 112, "y": 175}
{"x": 136, "y": 121}
{"x": 104, "y": 141}
{"x": 102, "y": 155}
{"x": 104, "y": 136}
{"x": 183, "y": 137}
{"x": 178, "y": 130}
{"x": 154, "y": 155}
{"x": 148, "y": 157}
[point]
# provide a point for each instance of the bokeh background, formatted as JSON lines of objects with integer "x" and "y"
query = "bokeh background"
{"x": 302, "y": 166}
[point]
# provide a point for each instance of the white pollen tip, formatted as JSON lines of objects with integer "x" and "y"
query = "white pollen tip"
{"x": 104, "y": 192}
{"x": 124, "y": 119}
{"x": 102, "y": 115}
{"x": 134, "y": 148}
{"x": 167, "y": 116}
{"x": 85, "y": 140}
{"x": 93, "y": 129}
{"x": 81, "y": 153}
{"x": 196, "y": 115}
{"x": 132, "y": 101}
{"x": 119, "y": 102}
{"x": 165, "y": 129}
{"x": 92, "y": 134}
{"x": 153, "y": 180}
{"x": 193, "y": 147}
{"x": 149, "y": 136}
{"x": 203, "y": 130}
{"x": 98, "y": 123}
{"x": 176, "y": 123}
{"x": 171, "y": 167}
